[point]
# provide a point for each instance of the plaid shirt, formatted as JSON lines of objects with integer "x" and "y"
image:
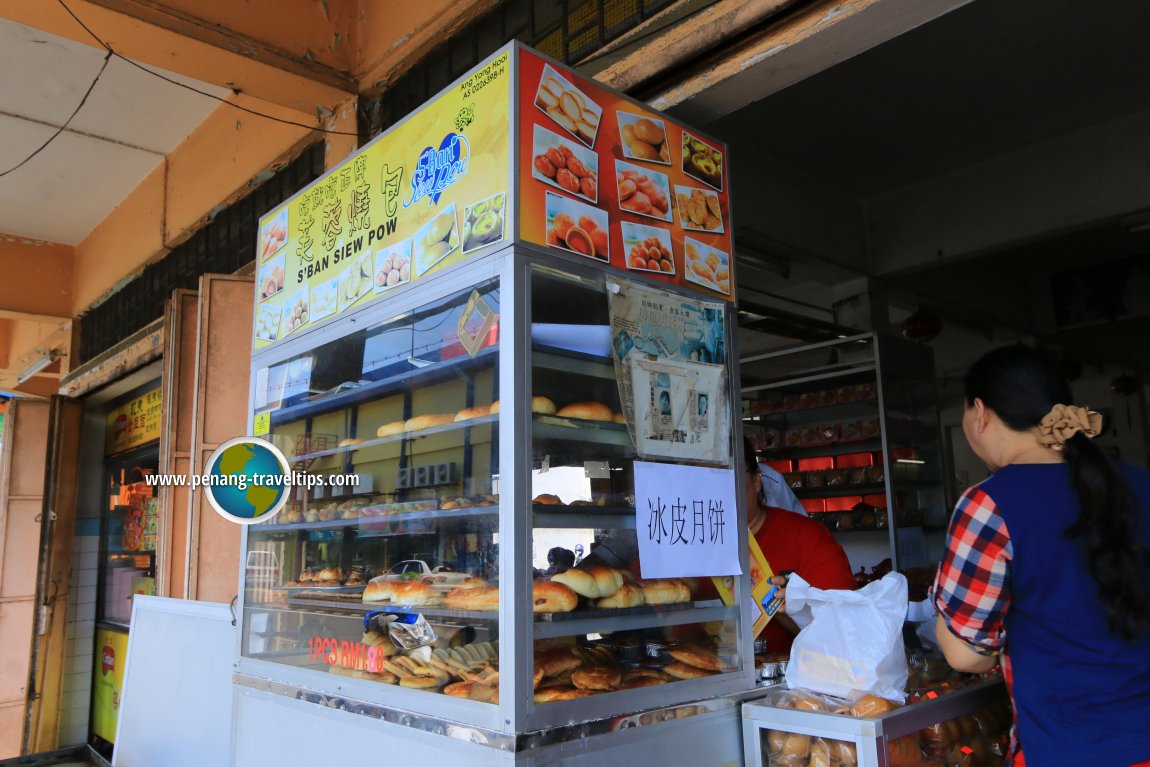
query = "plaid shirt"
{"x": 972, "y": 589}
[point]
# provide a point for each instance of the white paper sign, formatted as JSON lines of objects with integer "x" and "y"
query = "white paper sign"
{"x": 686, "y": 521}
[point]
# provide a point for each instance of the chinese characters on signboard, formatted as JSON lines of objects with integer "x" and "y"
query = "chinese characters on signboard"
{"x": 686, "y": 520}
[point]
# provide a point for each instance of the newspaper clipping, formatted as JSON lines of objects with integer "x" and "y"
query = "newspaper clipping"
{"x": 670, "y": 362}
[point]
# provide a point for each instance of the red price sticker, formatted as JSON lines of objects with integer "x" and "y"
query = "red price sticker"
{"x": 967, "y": 750}
{"x": 932, "y": 695}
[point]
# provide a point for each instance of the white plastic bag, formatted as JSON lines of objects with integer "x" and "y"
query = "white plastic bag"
{"x": 851, "y": 641}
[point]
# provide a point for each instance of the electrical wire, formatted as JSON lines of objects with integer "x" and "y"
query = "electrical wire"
{"x": 62, "y": 128}
{"x": 193, "y": 89}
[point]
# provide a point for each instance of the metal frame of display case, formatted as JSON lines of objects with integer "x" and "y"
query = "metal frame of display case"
{"x": 516, "y": 721}
{"x": 869, "y": 735}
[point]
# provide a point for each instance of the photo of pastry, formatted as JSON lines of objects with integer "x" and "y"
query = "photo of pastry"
{"x": 483, "y": 222}
{"x": 643, "y": 191}
{"x": 648, "y": 248}
{"x": 273, "y": 234}
{"x": 268, "y": 322}
{"x": 698, "y": 209}
{"x": 324, "y": 299}
{"x": 393, "y": 266}
{"x": 435, "y": 240}
{"x": 565, "y": 165}
{"x": 295, "y": 313}
{"x": 644, "y": 138}
{"x": 702, "y": 161}
{"x": 577, "y": 227}
{"x": 568, "y": 106}
{"x": 272, "y": 277}
{"x": 706, "y": 266}
{"x": 354, "y": 282}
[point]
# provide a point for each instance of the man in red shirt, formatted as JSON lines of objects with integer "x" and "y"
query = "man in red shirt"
{"x": 791, "y": 544}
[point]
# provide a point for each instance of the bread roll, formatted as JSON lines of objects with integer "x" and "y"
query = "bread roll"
{"x": 579, "y": 581}
{"x": 467, "y": 413}
{"x": 350, "y": 441}
{"x": 797, "y": 745}
{"x": 419, "y": 682}
{"x": 596, "y": 678}
{"x": 635, "y": 683}
{"x": 871, "y": 705}
{"x": 550, "y": 597}
{"x": 547, "y": 499}
{"x": 542, "y": 406}
{"x": 628, "y": 595}
{"x": 484, "y": 598}
{"x": 665, "y": 591}
{"x": 494, "y": 407}
{"x": 681, "y": 670}
{"x": 415, "y": 593}
{"x": 378, "y": 589}
{"x": 619, "y": 418}
{"x": 390, "y": 429}
{"x": 697, "y": 656}
{"x": 471, "y": 690}
{"x": 428, "y": 421}
{"x": 588, "y": 411}
{"x": 329, "y": 575}
{"x": 550, "y": 694}
{"x": 807, "y": 703}
{"x": 557, "y": 660}
{"x": 646, "y": 672}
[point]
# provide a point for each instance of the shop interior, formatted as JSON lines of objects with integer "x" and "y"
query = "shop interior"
{"x": 965, "y": 196}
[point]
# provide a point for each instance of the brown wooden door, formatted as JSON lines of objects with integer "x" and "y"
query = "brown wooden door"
{"x": 21, "y": 499}
{"x": 57, "y": 535}
{"x": 220, "y": 412}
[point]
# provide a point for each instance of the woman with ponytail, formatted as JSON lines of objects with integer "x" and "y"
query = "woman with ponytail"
{"x": 1047, "y": 569}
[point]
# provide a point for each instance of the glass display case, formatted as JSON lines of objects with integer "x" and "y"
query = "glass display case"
{"x": 481, "y": 448}
{"x": 852, "y": 425}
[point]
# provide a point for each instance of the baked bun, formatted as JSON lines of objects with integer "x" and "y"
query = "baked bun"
{"x": 494, "y": 407}
{"x": 594, "y": 582}
{"x": 619, "y": 418}
{"x": 628, "y": 595}
{"x": 378, "y": 589}
{"x": 796, "y": 745}
{"x": 467, "y": 413}
{"x": 350, "y": 441}
{"x": 551, "y": 597}
{"x": 871, "y": 705}
{"x": 697, "y": 656}
{"x": 415, "y": 593}
{"x": 329, "y": 575}
{"x": 471, "y": 690}
{"x": 440, "y": 227}
{"x": 378, "y": 676}
{"x": 646, "y": 672}
{"x": 665, "y": 591}
{"x": 588, "y": 411}
{"x": 555, "y": 661}
{"x": 807, "y": 703}
{"x": 596, "y": 678}
{"x": 483, "y": 598}
{"x": 428, "y": 421}
{"x": 419, "y": 682}
{"x": 547, "y": 499}
{"x": 542, "y": 406}
{"x": 681, "y": 670}
{"x": 390, "y": 429}
{"x": 635, "y": 683}
{"x": 550, "y": 694}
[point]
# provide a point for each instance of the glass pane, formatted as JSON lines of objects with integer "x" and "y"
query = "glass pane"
{"x": 131, "y": 518}
{"x": 599, "y": 626}
{"x": 407, "y": 408}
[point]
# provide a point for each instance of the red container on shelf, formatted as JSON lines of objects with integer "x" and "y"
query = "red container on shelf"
{"x": 814, "y": 505}
{"x": 814, "y": 464}
{"x": 851, "y": 460}
{"x": 781, "y": 465}
{"x": 878, "y": 500}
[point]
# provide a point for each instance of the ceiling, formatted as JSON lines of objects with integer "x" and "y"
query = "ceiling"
{"x": 66, "y": 190}
{"x": 986, "y": 79}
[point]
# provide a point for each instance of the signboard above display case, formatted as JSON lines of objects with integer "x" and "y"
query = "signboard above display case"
{"x": 520, "y": 142}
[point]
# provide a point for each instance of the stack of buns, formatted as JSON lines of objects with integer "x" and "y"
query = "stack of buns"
{"x": 588, "y": 411}
{"x": 468, "y": 597}
{"x": 594, "y": 582}
{"x": 693, "y": 661}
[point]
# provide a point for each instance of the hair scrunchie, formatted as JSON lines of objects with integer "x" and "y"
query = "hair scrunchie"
{"x": 1064, "y": 421}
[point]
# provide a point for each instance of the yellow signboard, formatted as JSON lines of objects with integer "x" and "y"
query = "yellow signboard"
{"x": 263, "y": 424}
{"x": 108, "y": 681}
{"x": 133, "y": 423}
{"x": 428, "y": 194}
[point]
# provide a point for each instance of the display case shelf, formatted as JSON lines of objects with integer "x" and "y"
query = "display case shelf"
{"x": 619, "y": 517}
{"x": 816, "y": 451}
{"x": 364, "y": 522}
{"x": 551, "y": 625}
{"x": 407, "y": 435}
{"x": 565, "y": 361}
{"x": 839, "y": 491}
{"x": 553, "y": 427}
{"x": 371, "y": 390}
